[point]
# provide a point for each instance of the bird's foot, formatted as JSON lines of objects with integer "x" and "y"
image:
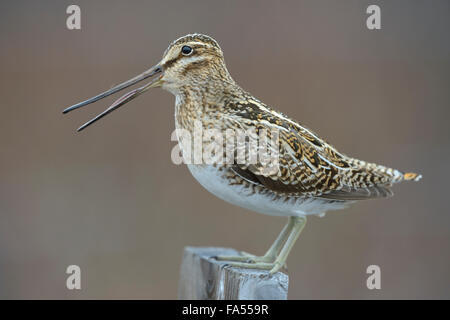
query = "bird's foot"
{"x": 273, "y": 267}
{"x": 250, "y": 261}
{"x": 247, "y": 258}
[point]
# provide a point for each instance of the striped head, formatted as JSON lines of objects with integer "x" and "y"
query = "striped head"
{"x": 192, "y": 61}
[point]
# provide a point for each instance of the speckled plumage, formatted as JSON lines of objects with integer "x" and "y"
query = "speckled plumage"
{"x": 308, "y": 166}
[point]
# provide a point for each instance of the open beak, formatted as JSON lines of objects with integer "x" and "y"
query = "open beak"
{"x": 125, "y": 98}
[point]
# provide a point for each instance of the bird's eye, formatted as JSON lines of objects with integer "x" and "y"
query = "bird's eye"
{"x": 186, "y": 50}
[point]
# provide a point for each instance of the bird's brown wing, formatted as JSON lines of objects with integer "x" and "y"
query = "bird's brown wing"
{"x": 346, "y": 193}
{"x": 307, "y": 165}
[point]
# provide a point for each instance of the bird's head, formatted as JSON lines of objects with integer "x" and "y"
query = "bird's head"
{"x": 194, "y": 61}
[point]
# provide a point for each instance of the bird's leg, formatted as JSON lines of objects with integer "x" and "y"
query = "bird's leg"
{"x": 275, "y": 248}
{"x": 274, "y": 266}
{"x": 299, "y": 224}
{"x": 271, "y": 254}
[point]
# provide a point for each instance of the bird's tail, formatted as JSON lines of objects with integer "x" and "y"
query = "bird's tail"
{"x": 412, "y": 176}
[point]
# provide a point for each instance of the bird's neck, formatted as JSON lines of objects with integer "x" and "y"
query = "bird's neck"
{"x": 201, "y": 103}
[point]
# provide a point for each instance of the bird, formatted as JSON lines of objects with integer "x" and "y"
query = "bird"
{"x": 309, "y": 176}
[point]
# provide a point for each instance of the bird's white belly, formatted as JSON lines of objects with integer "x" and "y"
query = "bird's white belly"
{"x": 213, "y": 180}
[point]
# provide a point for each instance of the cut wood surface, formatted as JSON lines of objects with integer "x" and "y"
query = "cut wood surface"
{"x": 204, "y": 278}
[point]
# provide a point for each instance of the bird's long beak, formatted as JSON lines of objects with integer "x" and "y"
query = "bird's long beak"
{"x": 125, "y": 98}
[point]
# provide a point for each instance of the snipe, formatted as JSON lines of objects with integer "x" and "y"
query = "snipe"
{"x": 310, "y": 177}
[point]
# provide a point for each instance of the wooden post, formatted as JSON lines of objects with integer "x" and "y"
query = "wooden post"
{"x": 204, "y": 278}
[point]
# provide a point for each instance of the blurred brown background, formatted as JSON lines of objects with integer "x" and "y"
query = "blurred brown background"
{"x": 111, "y": 201}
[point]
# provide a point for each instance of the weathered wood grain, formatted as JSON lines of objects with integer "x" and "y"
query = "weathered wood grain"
{"x": 204, "y": 278}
